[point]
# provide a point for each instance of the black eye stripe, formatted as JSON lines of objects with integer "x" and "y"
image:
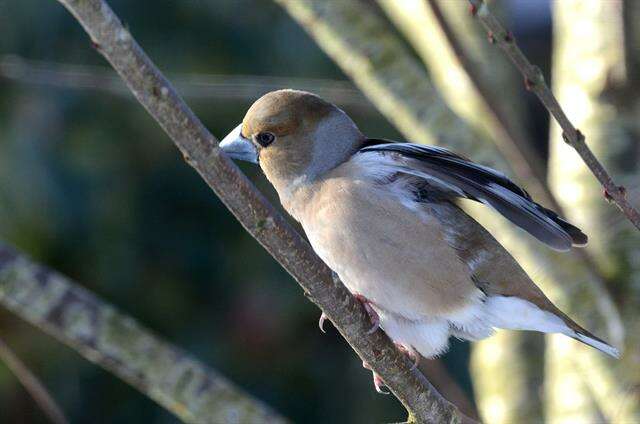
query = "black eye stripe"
{"x": 264, "y": 138}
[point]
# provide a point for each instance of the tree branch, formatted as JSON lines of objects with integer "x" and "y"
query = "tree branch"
{"x": 606, "y": 107}
{"x": 438, "y": 374}
{"x": 534, "y": 81}
{"x": 374, "y": 58}
{"x": 527, "y": 162}
{"x": 32, "y": 385}
{"x": 255, "y": 213}
{"x": 116, "y": 342}
{"x": 367, "y": 50}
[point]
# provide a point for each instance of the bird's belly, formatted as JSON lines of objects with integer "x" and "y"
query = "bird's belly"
{"x": 392, "y": 254}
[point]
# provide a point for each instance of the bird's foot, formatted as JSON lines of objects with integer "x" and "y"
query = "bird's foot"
{"x": 378, "y": 383}
{"x": 410, "y": 352}
{"x": 323, "y": 318}
{"x": 373, "y": 315}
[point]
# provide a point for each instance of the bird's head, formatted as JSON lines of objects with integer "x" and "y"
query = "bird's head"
{"x": 295, "y": 136}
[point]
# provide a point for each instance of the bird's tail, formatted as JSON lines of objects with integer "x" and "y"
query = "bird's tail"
{"x": 587, "y": 338}
{"x": 513, "y": 313}
{"x": 578, "y": 238}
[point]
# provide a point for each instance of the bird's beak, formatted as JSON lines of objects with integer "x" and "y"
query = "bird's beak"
{"x": 238, "y": 147}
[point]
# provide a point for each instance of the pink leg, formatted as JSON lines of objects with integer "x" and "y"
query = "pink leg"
{"x": 373, "y": 315}
{"x": 411, "y": 354}
{"x": 377, "y": 380}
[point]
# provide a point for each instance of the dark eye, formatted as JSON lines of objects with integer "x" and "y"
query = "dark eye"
{"x": 265, "y": 138}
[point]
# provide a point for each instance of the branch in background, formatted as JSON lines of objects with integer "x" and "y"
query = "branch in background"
{"x": 183, "y": 385}
{"x": 534, "y": 81}
{"x": 506, "y": 368}
{"x": 32, "y": 385}
{"x": 195, "y": 86}
{"x": 256, "y": 214}
{"x": 216, "y": 87}
{"x": 437, "y": 373}
{"x": 514, "y": 146}
{"x": 370, "y": 53}
{"x": 526, "y": 161}
{"x": 604, "y": 103}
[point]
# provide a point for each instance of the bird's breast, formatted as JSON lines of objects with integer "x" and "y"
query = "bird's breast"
{"x": 386, "y": 247}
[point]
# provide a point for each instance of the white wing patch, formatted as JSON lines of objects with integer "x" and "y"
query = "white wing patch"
{"x": 513, "y": 313}
{"x": 380, "y": 165}
{"x": 459, "y": 177}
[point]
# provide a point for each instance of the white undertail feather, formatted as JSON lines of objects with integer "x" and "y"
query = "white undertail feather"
{"x": 430, "y": 336}
{"x": 517, "y": 314}
{"x": 512, "y": 313}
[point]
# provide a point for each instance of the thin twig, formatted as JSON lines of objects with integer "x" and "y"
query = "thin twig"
{"x": 180, "y": 383}
{"x": 191, "y": 86}
{"x": 256, "y": 214}
{"x": 534, "y": 81}
{"x": 526, "y": 161}
{"x": 32, "y": 385}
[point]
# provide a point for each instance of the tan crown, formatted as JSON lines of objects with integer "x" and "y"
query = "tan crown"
{"x": 312, "y": 135}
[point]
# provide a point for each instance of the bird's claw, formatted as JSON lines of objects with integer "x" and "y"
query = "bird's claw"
{"x": 323, "y": 318}
{"x": 373, "y": 315}
{"x": 411, "y": 353}
{"x": 378, "y": 383}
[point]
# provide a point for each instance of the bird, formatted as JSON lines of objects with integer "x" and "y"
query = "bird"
{"x": 386, "y": 218}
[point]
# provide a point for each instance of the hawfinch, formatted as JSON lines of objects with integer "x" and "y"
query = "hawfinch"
{"x": 383, "y": 216}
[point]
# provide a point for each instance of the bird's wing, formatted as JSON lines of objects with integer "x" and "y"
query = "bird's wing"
{"x": 459, "y": 177}
{"x": 499, "y": 276}
{"x": 494, "y": 270}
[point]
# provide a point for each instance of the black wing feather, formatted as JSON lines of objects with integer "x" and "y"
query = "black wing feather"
{"x": 483, "y": 184}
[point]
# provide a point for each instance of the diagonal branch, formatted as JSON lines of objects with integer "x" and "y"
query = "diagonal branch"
{"x": 534, "y": 81}
{"x": 376, "y": 60}
{"x": 32, "y": 385}
{"x": 255, "y": 213}
{"x": 527, "y": 162}
{"x": 100, "y": 333}
{"x": 438, "y": 374}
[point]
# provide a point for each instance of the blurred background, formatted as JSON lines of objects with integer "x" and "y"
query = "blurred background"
{"x": 91, "y": 186}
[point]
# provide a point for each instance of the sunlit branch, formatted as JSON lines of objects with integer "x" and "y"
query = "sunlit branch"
{"x": 256, "y": 214}
{"x": 534, "y": 81}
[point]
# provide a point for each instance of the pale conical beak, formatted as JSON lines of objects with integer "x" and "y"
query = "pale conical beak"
{"x": 238, "y": 147}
